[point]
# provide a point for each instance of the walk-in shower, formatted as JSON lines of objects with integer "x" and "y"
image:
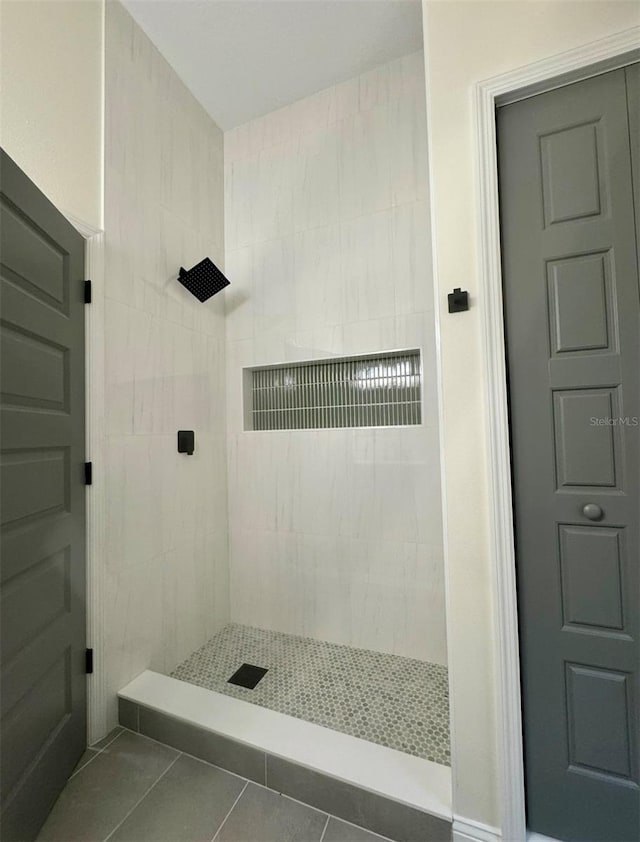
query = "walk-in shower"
{"x": 302, "y": 639}
{"x": 336, "y": 592}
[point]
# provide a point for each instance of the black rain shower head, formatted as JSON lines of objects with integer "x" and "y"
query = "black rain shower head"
{"x": 203, "y": 280}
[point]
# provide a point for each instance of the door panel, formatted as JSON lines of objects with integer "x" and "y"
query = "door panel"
{"x": 42, "y": 575}
{"x": 36, "y": 371}
{"x": 585, "y": 453}
{"x": 572, "y": 313}
{"x": 595, "y": 696}
{"x": 33, "y": 599}
{"x": 572, "y": 163}
{"x": 591, "y": 565}
{"x": 35, "y": 263}
{"x": 584, "y": 281}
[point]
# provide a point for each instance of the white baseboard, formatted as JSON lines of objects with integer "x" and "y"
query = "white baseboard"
{"x": 467, "y": 830}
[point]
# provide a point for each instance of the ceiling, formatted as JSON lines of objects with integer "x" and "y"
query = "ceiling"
{"x": 244, "y": 58}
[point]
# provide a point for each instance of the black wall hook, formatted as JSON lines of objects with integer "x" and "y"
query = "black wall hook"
{"x": 458, "y": 300}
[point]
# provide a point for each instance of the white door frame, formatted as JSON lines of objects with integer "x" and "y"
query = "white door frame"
{"x": 589, "y": 60}
{"x": 95, "y": 499}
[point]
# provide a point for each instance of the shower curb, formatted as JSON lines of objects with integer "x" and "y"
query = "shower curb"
{"x": 170, "y": 723}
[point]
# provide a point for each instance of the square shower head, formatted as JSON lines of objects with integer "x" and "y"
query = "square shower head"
{"x": 203, "y": 280}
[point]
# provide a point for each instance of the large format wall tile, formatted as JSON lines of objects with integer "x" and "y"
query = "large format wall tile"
{"x": 335, "y": 534}
{"x": 320, "y": 287}
{"x": 364, "y": 165}
{"x": 316, "y": 189}
{"x": 166, "y": 547}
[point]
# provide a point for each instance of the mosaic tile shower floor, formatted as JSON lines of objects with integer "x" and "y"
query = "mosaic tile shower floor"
{"x": 396, "y": 702}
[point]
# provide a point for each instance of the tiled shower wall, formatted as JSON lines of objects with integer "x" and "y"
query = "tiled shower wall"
{"x": 334, "y": 534}
{"x": 166, "y": 550}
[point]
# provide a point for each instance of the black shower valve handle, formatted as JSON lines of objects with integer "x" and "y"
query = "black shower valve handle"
{"x": 186, "y": 442}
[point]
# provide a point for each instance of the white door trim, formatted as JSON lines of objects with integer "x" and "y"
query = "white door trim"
{"x": 567, "y": 67}
{"x": 95, "y": 500}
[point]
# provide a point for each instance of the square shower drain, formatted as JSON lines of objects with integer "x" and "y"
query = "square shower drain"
{"x": 248, "y": 676}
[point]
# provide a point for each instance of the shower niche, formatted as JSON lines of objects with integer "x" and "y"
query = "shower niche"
{"x": 370, "y": 390}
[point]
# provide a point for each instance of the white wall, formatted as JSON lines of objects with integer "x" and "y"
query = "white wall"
{"x": 466, "y": 42}
{"x": 166, "y": 546}
{"x": 335, "y": 534}
{"x": 51, "y": 99}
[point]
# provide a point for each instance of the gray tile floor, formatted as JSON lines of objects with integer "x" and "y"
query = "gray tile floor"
{"x": 397, "y": 702}
{"x": 131, "y": 789}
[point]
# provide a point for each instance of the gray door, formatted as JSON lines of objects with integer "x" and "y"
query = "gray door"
{"x": 42, "y": 581}
{"x": 572, "y": 310}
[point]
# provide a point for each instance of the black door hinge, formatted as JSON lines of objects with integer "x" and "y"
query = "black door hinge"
{"x": 88, "y": 473}
{"x": 88, "y": 661}
{"x": 87, "y": 292}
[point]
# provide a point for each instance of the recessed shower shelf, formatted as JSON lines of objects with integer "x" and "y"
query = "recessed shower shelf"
{"x": 373, "y": 390}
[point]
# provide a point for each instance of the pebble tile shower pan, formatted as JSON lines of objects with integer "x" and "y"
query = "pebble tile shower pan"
{"x": 396, "y": 702}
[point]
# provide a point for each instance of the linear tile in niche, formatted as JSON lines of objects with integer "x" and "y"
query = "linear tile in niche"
{"x": 381, "y": 390}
